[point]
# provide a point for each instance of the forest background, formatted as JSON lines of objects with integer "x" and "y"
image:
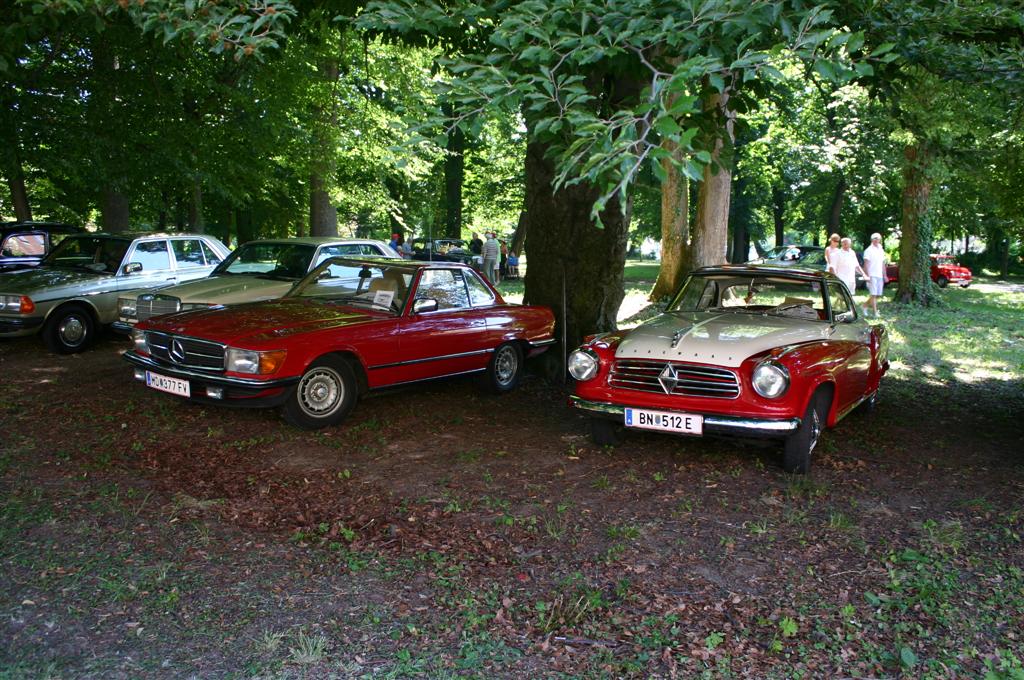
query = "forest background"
{"x": 576, "y": 128}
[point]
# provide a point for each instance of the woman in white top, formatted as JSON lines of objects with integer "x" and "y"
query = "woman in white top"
{"x": 830, "y": 250}
{"x": 845, "y": 265}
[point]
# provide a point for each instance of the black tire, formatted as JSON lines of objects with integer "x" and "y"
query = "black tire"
{"x": 604, "y": 432}
{"x": 799, "y": 446}
{"x": 942, "y": 282}
{"x": 505, "y": 369}
{"x": 324, "y": 395}
{"x": 69, "y": 329}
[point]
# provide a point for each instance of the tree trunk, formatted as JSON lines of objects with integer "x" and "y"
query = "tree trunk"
{"x": 519, "y": 237}
{"x": 196, "y": 220}
{"x": 19, "y": 196}
{"x": 114, "y": 210}
{"x": 675, "y": 227}
{"x": 454, "y": 175}
{"x": 836, "y": 209}
{"x": 570, "y": 255}
{"x": 778, "y": 212}
{"x": 711, "y": 229}
{"x": 915, "y": 227}
{"x": 244, "y": 226}
{"x": 323, "y": 217}
{"x": 1004, "y": 265}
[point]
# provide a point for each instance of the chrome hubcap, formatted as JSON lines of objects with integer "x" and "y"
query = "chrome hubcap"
{"x": 320, "y": 392}
{"x": 815, "y": 429}
{"x": 505, "y": 365}
{"x": 72, "y": 330}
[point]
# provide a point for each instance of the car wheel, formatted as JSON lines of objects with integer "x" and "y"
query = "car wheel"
{"x": 942, "y": 281}
{"x": 69, "y": 329}
{"x": 505, "y": 369}
{"x": 796, "y": 455}
{"x": 325, "y": 394}
{"x": 605, "y": 432}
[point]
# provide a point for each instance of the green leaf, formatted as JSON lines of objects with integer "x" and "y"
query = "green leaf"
{"x": 907, "y": 657}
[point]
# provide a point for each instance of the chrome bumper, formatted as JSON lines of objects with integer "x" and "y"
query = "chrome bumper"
{"x": 122, "y": 327}
{"x": 713, "y": 424}
{"x": 206, "y": 378}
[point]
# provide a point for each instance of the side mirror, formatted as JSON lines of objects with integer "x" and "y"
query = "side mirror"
{"x": 845, "y": 317}
{"x": 132, "y": 268}
{"x": 421, "y": 305}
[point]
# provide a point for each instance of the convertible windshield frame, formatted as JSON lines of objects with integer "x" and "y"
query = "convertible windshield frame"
{"x": 222, "y": 268}
{"x": 358, "y": 296}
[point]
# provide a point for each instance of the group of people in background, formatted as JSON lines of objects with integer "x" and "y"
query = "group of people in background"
{"x": 842, "y": 261}
{"x": 496, "y": 260}
{"x": 492, "y": 257}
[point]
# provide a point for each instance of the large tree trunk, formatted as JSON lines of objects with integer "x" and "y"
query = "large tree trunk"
{"x": 196, "y": 219}
{"x": 778, "y": 212}
{"x": 454, "y": 175}
{"x": 570, "y": 256}
{"x": 711, "y": 228}
{"x": 114, "y": 210}
{"x": 19, "y": 196}
{"x": 915, "y": 227}
{"x": 323, "y": 217}
{"x": 675, "y": 227}
{"x": 835, "y": 210}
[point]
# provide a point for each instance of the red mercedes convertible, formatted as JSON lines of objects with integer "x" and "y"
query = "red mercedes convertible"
{"x": 348, "y": 327}
{"x": 750, "y": 351}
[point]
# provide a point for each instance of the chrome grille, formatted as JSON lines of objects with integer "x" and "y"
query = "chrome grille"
{"x": 154, "y": 305}
{"x": 184, "y": 351}
{"x": 691, "y": 380}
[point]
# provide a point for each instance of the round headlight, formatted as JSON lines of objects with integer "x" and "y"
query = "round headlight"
{"x": 770, "y": 379}
{"x": 583, "y": 364}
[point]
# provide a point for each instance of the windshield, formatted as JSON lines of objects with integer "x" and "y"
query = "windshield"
{"x": 759, "y": 294}
{"x": 92, "y": 253}
{"x": 361, "y": 284}
{"x": 269, "y": 260}
{"x": 793, "y": 254}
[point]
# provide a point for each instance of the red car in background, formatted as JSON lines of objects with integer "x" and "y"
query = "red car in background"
{"x": 945, "y": 270}
{"x": 348, "y": 327}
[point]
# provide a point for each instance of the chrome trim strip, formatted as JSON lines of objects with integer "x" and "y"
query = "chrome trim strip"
{"x": 712, "y": 424}
{"x": 433, "y": 377}
{"x": 439, "y": 358}
{"x": 134, "y": 358}
{"x": 542, "y": 343}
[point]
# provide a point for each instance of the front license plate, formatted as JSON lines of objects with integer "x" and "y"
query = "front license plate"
{"x": 680, "y": 423}
{"x": 167, "y": 384}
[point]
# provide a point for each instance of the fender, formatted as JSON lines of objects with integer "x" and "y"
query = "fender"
{"x": 83, "y": 301}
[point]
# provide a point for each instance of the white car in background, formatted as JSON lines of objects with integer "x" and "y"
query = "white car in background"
{"x": 258, "y": 270}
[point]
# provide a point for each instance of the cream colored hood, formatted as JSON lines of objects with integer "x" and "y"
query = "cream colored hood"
{"x": 720, "y": 338}
{"x": 229, "y": 289}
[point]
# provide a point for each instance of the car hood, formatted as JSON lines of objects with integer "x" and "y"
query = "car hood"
{"x": 229, "y": 290}
{"x": 259, "y": 323}
{"x": 49, "y": 281}
{"x": 720, "y": 338}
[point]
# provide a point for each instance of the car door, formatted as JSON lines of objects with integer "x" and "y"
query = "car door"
{"x": 854, "y": 336}
{"x": 451, "y": 339}
{"x": 189, "y": 260}
{"x": 154, "y": 258}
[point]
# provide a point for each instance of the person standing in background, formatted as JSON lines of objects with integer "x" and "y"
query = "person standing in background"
{"x": 475, "y": 244}
{"x": 830, "y": 250}
{"x": 846, "y": 267}
{"x": 874, "y": 262}
{"x": 491, "y": 251}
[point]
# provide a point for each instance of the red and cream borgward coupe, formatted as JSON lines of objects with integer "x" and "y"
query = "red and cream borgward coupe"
{"x": 741, "y": 350}
{"x": 349, "y": 326}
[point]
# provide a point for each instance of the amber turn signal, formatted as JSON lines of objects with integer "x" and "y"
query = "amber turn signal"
{"x": 271, "y": 361}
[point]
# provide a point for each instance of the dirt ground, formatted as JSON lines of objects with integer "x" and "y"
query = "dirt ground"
{"x": 445, "y": 533}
